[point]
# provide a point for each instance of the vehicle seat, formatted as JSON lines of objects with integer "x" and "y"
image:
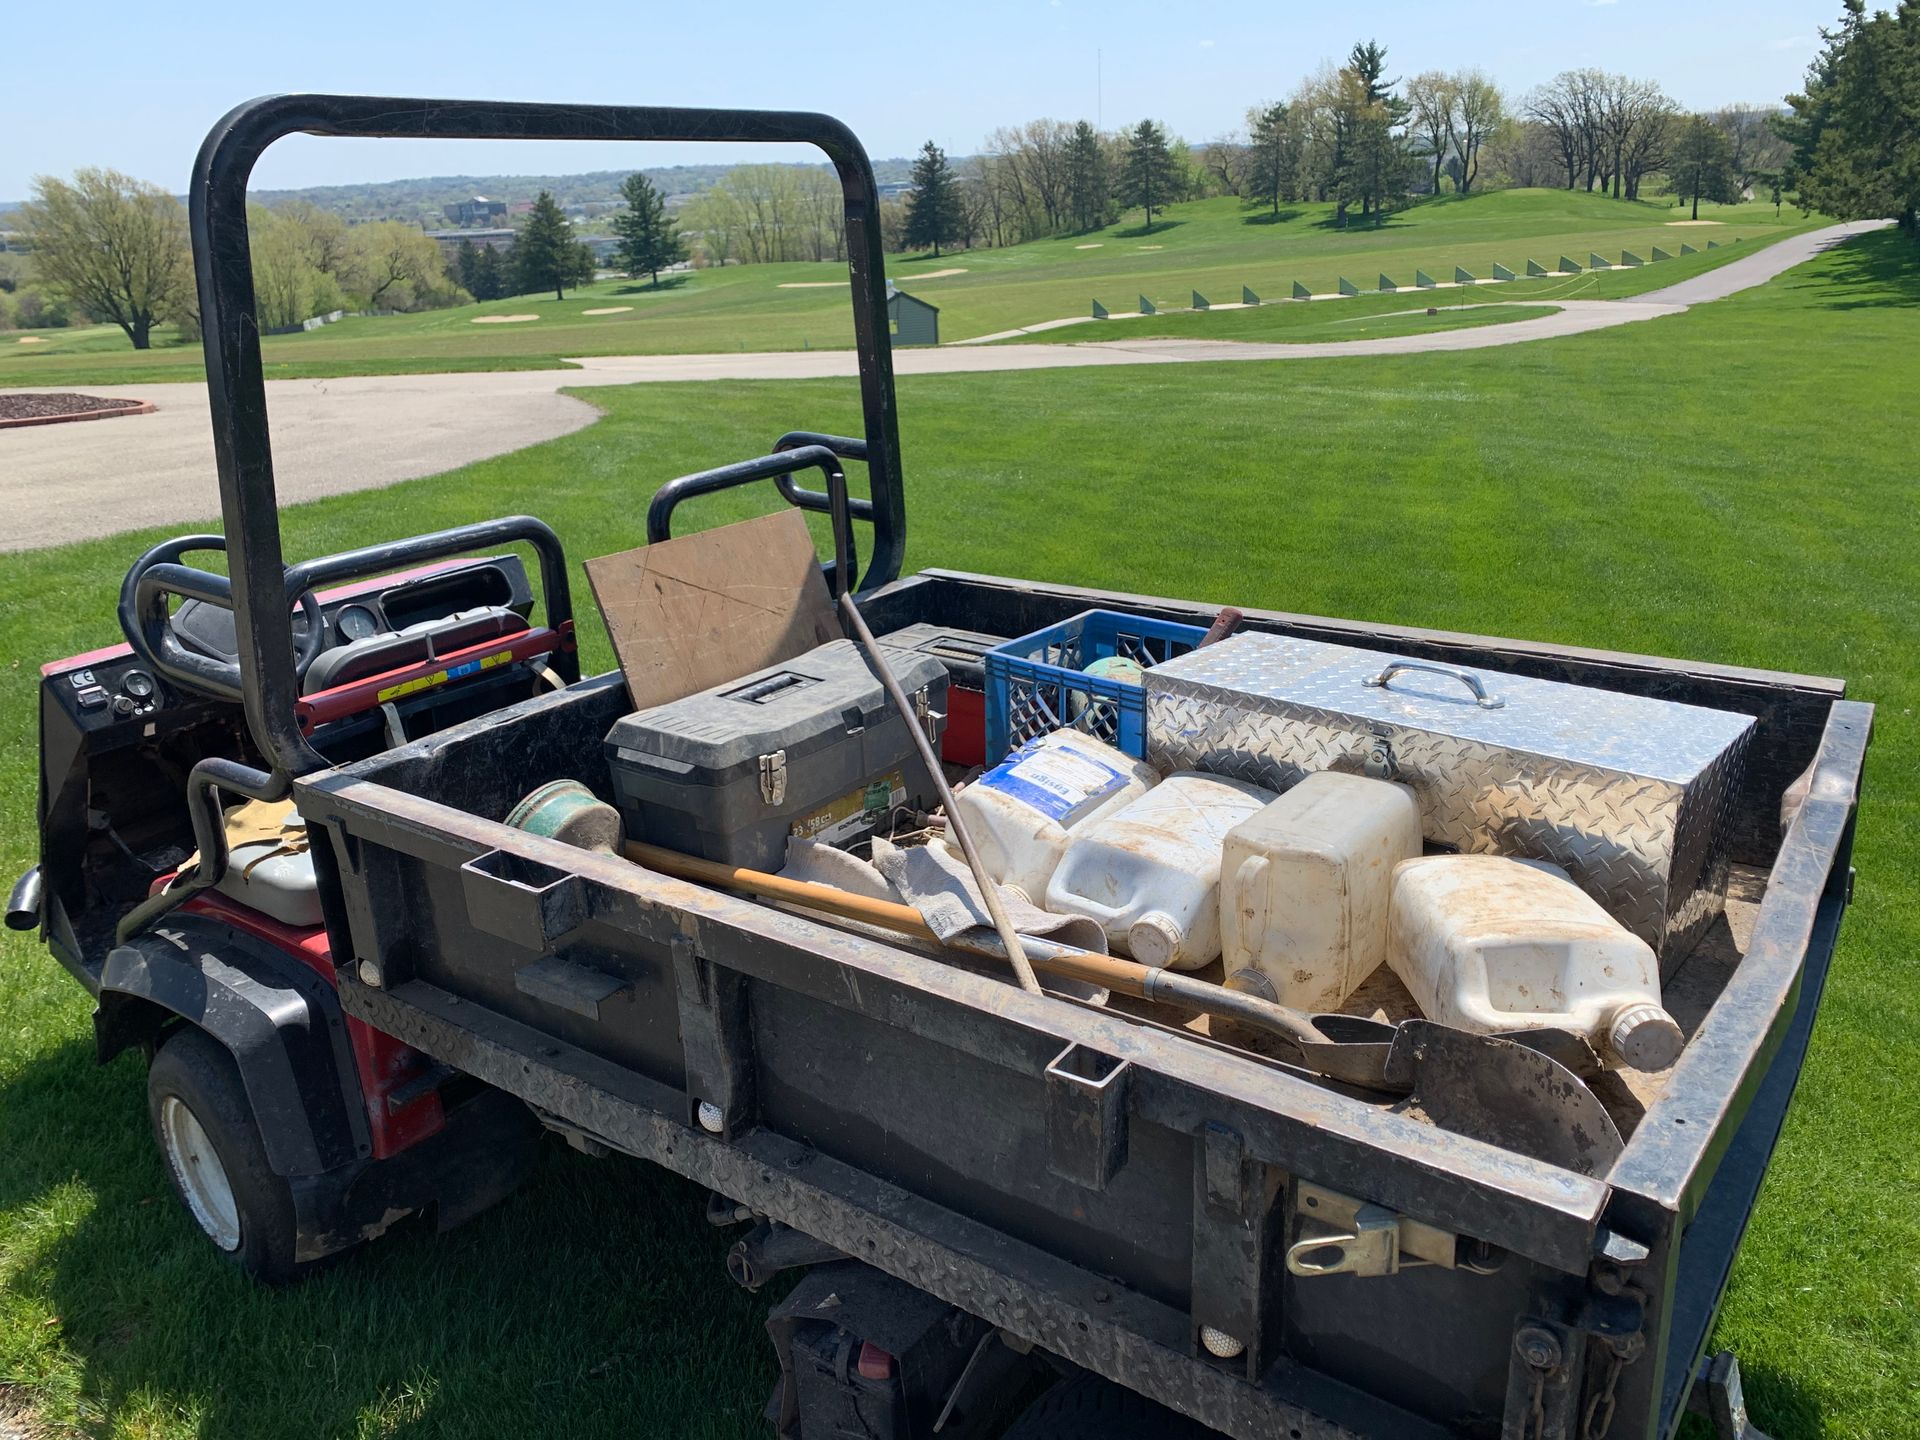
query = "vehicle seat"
{"x": 269, "y": 864}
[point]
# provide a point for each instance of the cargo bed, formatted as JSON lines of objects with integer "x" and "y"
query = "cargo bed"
{"x": 1099, "y": 1186}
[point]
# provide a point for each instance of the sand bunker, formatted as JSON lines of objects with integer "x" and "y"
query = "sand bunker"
{"x": 502, "y": 319}
{"x": 608, "y": 310}
{"x": 1095, "y": 246}
{"x": 31, "y": 340}
{"x": 936, "y": 274}
{"x": 1696, "y": 222}
{"x": 1150, "y": 247}
{"x": 811, "y": 284}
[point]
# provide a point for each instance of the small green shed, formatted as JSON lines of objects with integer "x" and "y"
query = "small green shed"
{"x": 911, "y": 320}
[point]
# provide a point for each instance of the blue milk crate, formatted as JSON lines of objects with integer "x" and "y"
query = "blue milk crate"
{"x": 1035, "y": 685}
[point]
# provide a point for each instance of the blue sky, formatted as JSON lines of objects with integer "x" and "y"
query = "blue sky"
{"x": 142, "y": 100}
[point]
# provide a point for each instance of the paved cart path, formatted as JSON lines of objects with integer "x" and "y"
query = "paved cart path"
{"x": 70, "y": 482}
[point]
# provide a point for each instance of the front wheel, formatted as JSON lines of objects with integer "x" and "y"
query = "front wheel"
{"x": 207, "y": 1135}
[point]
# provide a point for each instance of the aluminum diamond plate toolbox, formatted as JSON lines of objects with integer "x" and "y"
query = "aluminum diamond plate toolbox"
{"x": 1629, "y": 794}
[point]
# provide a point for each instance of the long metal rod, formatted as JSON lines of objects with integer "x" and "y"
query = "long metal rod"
{"x": 1124, "y": 977}
{"x": 989, "y": 892}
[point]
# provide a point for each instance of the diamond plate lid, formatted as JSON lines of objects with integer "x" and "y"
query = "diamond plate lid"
{"x": 1632, "y": 734}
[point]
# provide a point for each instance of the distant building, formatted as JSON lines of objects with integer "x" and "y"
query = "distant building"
{"x": 896, "y": 189}
{"x": 603, "y": 247}
{"x": 13, "y": 240}
{"x": 450, "y": 241}
{"x": 910, "y": 320}
{"x": 477, "y": 211}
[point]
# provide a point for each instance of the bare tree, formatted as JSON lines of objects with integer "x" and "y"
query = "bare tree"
{"x": 1225, "y": 159}
{"x": 1433, "y": 98}
{"x": 113, "y": 245}
{"x": 1554, "y": 110}
{"x": 1478, "y": 109}
{"x": 1754, "y": 149}
{"x": 1525, "y": 153}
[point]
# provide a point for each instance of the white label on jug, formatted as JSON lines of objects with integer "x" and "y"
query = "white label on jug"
{"x": 1055, "y": 782}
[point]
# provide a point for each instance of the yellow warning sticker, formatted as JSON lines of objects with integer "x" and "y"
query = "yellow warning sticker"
{"x": 441, "y": 677}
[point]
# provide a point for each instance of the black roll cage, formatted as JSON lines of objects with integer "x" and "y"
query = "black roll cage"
{"x": 223, "y": 268}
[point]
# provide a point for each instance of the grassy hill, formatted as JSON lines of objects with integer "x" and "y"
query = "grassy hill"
{"x": 1214, "y": 246}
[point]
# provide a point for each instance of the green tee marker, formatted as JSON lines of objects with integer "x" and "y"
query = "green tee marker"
{"x": 1596, "y": 262}
{"x": 1146, "y": 306}
{"x": 1247, "y": 297}
{"x": 1500, "y": 272}
{"x": 1535, "y": 268}
{"x": 1099, "y": 311}
{"x": 1461, "y": 277}
{"x": 1300, "y": 292}
{"x": 1627, "y": 257}
{"x": 1688, "y": 250}
{"x": 1200, "y": 301}
{"x": 1387, "y": 287}
{"x": 1568, "y": 266}
{"x": 1347, "y": 287}
{"x": 1423, "y": 280}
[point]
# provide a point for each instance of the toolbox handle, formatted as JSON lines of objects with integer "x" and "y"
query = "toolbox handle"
{"x": 1452, "y": 672}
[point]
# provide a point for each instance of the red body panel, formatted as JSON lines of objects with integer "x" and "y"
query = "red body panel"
{"x": 382, "y": 1062}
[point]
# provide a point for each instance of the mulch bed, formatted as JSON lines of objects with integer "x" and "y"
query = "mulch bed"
{"x": 52, "y": 409}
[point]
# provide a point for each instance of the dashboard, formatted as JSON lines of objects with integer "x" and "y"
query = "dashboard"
{"x": 455, "y": 601}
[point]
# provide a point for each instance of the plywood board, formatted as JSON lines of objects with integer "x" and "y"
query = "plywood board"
{"x": 692, "y": 613}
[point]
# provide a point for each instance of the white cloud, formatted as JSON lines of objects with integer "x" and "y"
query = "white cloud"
{"x": 1791, "y": 42}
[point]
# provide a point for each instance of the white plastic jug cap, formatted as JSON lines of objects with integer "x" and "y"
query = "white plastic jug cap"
{"x": 1645, "y": 1037}
{"x": 1154, "y": 939}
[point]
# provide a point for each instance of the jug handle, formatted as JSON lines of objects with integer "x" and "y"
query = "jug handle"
{"x": 1452, "y": 672}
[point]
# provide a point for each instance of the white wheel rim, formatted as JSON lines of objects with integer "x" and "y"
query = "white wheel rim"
{"x": 203, "y": 1179}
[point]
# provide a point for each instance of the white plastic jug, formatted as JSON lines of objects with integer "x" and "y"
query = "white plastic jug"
{"x": 1150, "y": 873}
{"x": 1021, "y": 812}
{"x": 1488, "y": 944}
{"x": 1305, "y": 884}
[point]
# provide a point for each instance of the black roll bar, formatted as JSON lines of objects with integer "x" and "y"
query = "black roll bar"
{"x": 223, "y": 268}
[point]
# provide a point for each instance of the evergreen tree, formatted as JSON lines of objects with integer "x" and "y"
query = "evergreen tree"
{"x": 1088, "y": 185}
{"x": 488, "y": 282}
{"x": 649, "y": 237}
{"x": 545, "y": 254}
{"x": 1856, "y": 129}
{"x": 933, "y": 210}
{"x": 1273, "y": 157}
{"x": 1700, "y": 163}
{"x": 466, "y": 265}
{"x": 1148, "y": 179}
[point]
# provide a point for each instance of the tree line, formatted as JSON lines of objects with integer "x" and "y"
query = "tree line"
{"x": 1366, "y": 142}
{"x": 114, "y": 249}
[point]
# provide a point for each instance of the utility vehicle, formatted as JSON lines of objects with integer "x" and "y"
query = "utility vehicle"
{"x": 989, "y": 1185}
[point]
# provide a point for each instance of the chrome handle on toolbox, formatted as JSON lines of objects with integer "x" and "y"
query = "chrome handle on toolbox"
{"x": 1452, "y": 672}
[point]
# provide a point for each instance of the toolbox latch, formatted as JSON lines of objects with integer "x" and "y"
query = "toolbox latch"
{"x": 1340, "y": 1235}
{"x": 773, "y": 777}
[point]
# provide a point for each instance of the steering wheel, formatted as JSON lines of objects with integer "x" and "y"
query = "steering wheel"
{"x": 146, "y": 617}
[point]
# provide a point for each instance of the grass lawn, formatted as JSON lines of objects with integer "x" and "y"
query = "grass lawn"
{"x": 1214, "y": 246}
{"x": 1735, "y": 484}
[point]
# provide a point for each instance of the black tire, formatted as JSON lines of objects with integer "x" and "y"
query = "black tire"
{"x": 194, "y": 1070}
{"x": 1086, "y": 1407}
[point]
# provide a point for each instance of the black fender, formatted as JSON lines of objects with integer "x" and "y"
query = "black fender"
{"x": 280, "y": 1020}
